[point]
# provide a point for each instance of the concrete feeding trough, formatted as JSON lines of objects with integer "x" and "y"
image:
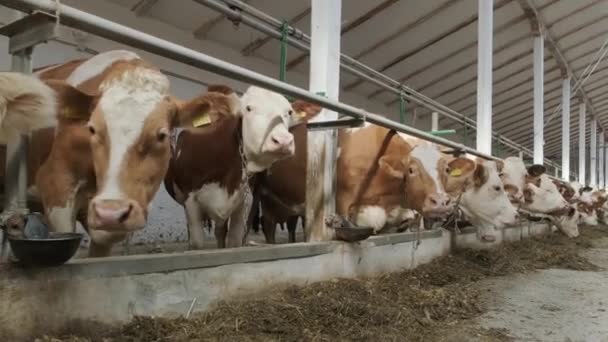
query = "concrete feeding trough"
{"x": 114, "y": 289}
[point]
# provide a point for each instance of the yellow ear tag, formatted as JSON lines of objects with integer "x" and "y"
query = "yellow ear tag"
{"x": 456, "y": 173}
{"x": 302, "y": 114}
{"x": 201, "y": 120}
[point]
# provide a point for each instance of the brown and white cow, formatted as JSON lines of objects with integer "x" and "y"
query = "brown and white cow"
{"x": 531, "y": 188}
{"x": 480, "y": 194}
{"x": 283, "y": 186}
{"x": 110, "y": 150}
{"x": 381, "y": 178}
{"x": 212, "y": 183}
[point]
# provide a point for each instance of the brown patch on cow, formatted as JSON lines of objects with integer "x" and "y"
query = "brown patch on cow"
{"x": 564, "y": 189}
{"x": 305, "y": 110}
{"x": 459, "y": 174}
{"x": 361, "y": 180}
{"x": 480, "y": 177}
{"x": 528, "y": 195}
{"x": 500, "y": 165}
{"x": 221, "y": 162}
{"x": 219, "y": 88}
{"x": 214, "y": 104}
{"x": 536, "y": 170}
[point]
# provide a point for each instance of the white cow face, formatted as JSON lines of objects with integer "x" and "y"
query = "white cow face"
{"x": 485, "y": 201}
{"x": 266, "y": 119}
{"x": 515, "y": 175}
{"x": 568, "y": 224}
{"x": 543, "y": 196}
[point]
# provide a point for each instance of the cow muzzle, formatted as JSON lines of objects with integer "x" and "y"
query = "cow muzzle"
{"x": 115, "y": 215}
{"x": 436, "y": 206}
{"x": 281, "y": 143}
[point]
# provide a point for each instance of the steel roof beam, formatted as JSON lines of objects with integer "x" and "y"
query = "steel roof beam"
{"x": 348, "y": 27}
{"x": 260, "y": 42}
{"x": 536, "y": 21}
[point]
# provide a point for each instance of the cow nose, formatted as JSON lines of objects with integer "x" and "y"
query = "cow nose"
{"x": 282, "y": 141}
{"x": 436, "y": 204}
{"x": 111, "y": 212}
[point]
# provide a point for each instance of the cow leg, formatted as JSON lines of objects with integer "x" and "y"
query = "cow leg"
{"x": 236, "y": 226}
{"x": 269, "y": 228}
{"x": 292, "y": 224}
{"x": 194, "y": 218}
{"x": 221, "y": 229}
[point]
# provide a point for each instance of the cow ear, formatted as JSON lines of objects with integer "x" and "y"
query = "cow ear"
{"x": 536, "y": 170}
{"x": 206, "y": 109}
{"x": 461, "y": 168}
{"x": 481, "y": 175}
{"x": 72, "y": 104}
{"x": 393, "y": 166}
{"x": 304, "y": 111}
{"x": 500, "y": 165}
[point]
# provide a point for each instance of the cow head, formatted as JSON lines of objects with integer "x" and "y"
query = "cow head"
{"x": 515, "y": 175}
{"x": 484, "y": 201}
{"x": 542, "y": 196}
{"x": 566, "y": 190}
{"x": 266, "y": 120}
{"x": 129, "y": 118}
{"x": 425, "y": 173}
{"x": 588, "y": 215}
{"x": 568, "y": 224}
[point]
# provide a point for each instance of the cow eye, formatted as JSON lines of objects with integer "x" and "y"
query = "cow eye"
{"x": 447, "y": 170}
{"x": 411, "y": 170}
{"x": 290, "y": 112}
{"x": 497, "y": 188}
{"x": 91, "y": 129}
{"x": 248, "y": 108}
{"x": 501, "y": 174}
{"x": 162, "y": 134}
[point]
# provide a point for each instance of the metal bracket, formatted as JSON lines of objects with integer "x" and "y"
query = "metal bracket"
{"x": 29, "y": 31}
{"x": 334, "y": 124}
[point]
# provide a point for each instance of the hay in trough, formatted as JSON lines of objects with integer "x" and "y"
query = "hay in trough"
{"x": 434, "y": 302}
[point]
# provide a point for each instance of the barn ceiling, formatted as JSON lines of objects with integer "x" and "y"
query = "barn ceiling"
{"x": 431, "y": 46}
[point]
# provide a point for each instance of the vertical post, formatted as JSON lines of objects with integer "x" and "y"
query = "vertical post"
{"x": 434, "y": 121}
{"x": 539, "y": 52}
{"x": 325, "y": 26}
{"x": 593, "y": 154}
{"x": 521, "y": 154}
{"x": 485, "y": 32}
{"x": 16, "y": 149}
{"x": 600, "y": 160}
{"x": 566, "y": 129}
{"x": 606, "y": 163}
{"x": 582, "y": 129}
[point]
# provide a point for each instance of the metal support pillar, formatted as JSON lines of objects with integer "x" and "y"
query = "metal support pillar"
{"x": 322, "y": 145}
{"x": 485, "y": 32}
{"x": 582, "y": 129}
{"x": 600, "y": 160}
{"x": 606, "y": 163}
{"x": 566, "y": 129}
{"x": 593, "y": 154}
{"x": 434, "y": 121}
{"x": 539, "y": 52}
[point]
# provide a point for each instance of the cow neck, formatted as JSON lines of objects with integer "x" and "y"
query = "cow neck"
{"x": 246, "y": 174}
{"x": 457, "y": 213}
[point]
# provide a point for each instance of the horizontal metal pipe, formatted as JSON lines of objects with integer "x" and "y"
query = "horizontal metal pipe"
{"x": 107, "y": 29}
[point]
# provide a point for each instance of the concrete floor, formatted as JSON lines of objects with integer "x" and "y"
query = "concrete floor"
{"x": 552, "y": 305}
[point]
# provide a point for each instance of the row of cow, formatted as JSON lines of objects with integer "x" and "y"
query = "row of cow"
{"x": 119, "y": 132}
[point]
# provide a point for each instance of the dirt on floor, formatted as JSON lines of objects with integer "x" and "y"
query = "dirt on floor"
{"x": 434, "y": 302}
